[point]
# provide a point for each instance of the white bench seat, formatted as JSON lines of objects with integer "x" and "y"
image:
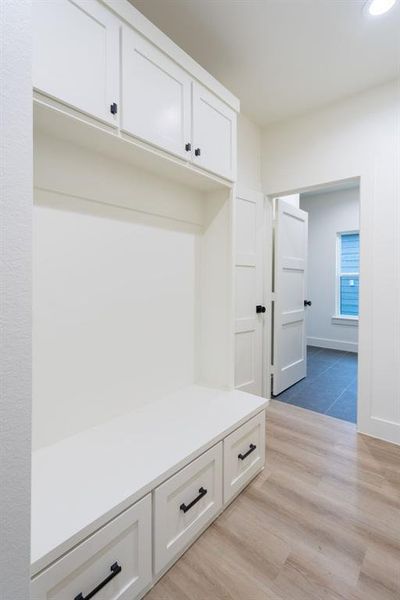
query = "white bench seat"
{"x": 84, "y": 481}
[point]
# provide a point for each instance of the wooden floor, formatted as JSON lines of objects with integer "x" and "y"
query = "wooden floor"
{"x": 322, "y": 521}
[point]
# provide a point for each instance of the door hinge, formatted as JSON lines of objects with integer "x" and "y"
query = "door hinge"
{"x": 114, "y": 108}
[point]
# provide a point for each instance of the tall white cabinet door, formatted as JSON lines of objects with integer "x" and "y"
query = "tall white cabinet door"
{"x": 249, "y": 293}
{"x": 289, "y": 334}
{"x": 214, "y": 133}
{"x": 155, "y": 96}
{"x": 76, "y": 55}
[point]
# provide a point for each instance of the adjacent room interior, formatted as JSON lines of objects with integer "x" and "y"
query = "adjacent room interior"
{"x": 331, "y": 301}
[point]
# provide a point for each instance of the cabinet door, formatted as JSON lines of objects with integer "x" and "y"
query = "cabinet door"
{"x": 214, "y": 133}
{"x": 76, "y": 55}
{"x": 155, "y": 96}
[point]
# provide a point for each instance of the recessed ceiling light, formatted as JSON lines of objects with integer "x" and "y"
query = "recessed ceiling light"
{"x": 379, "y": 7}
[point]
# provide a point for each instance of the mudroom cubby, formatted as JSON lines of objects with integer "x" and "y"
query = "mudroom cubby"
{"x": 134, "y": 408}
{"x": 133, "y": 354}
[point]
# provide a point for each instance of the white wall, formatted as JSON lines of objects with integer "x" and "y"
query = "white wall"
{"x": 115, "y": 289}
{"x": 357, "y": 137}
{"x": 15, "y": 297}
{"x": 328, "y": 214}
{"x": 249, "y": 154}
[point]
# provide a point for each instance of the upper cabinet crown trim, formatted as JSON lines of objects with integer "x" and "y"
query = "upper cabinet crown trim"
{"x": 135, "y": 19}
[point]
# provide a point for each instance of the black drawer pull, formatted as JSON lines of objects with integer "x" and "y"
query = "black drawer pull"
{"x": 186, "y": 507}
{"x": 251, "y": 449}
{"x": 115, "y": 569}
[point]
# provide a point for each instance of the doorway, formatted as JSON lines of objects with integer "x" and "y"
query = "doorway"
{"x": 315, "y": 299}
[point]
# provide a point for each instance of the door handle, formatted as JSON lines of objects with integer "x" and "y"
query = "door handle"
{"x": 260, "y": 309}
{"x": 307, "y": 302}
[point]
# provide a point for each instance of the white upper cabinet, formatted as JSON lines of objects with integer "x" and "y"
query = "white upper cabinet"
{"x": 155, "y": 96}
{"x": 214, "y": 133}
{"x": 86, "y": 58}
{"x": 76, "y": 55}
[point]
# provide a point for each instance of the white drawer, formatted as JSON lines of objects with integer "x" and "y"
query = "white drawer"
{"x": 185, "y": 503}
{"x": 124, "y": 543}
{"x": 244, "y": 455}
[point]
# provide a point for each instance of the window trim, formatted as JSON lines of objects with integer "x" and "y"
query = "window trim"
{"x": 339, "y": 316}
{"x": 345, "y": 320}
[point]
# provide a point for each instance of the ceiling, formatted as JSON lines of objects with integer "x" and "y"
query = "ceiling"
{"x": 284, "y": 57}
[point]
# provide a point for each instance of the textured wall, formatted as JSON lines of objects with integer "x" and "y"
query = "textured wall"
{"x": 15, "y": 296}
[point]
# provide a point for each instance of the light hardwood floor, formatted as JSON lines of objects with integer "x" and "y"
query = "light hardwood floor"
{"x": 322, "y": 522}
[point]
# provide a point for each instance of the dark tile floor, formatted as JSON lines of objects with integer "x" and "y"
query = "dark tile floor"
{"x": 330, "y": 386}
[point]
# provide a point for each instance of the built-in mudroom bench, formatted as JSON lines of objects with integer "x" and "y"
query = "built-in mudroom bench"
{"x": 137, "y": 491}
{"x": 139, "y": 438}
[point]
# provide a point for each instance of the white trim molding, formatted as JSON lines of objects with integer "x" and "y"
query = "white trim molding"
{"x": 345, "y": 320}
{"x": 332, "y": 344}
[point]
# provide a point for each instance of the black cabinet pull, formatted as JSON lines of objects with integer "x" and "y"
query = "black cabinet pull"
{"x": 307, "y": 302}
{"x": 260, "y": 309}
{"x": 186, "y": 507}
{"x": 115, "y": 569}
{"x": 251, "y": 449}
{"x": 188, "y": 147}
{"x": 197, "y": 152}
{"x": 114, "y": 108}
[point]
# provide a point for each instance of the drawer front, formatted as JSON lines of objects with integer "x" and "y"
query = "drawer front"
{"x": 185, "y": 503}
{"x": 244, "y": 455}
{"x": 118, "y": 556}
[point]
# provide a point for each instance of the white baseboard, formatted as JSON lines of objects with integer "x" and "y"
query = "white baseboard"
{"x": 332, "y": 344}
{"x": 389, "y": 431}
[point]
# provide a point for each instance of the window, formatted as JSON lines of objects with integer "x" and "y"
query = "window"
{"x": 348, "y": 273}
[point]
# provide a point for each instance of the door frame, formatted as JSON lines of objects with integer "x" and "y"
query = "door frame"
{"x": 268, "y": 294}
{"x": 363, "y": 406}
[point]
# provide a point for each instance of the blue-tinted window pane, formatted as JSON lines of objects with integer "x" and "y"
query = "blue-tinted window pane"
{"x": 350, "y": 253}
{"x": 349, "y": 295}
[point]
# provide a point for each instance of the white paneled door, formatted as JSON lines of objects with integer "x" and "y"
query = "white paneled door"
{"x": 76, "y": 55}
{"x": 290, "y": 263}
{"x": 214, "y": 133}
{"x": 156, "y": 96}
{"x": 249, "y": 293}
